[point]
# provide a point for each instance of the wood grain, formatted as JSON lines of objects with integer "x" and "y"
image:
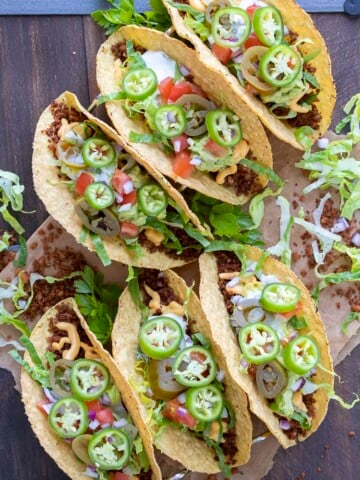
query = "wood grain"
{"x": 36, "y": 64}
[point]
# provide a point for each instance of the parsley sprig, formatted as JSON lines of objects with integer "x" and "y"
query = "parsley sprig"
{"x": 97, "y": 302}
{"x": 124, "y": 13}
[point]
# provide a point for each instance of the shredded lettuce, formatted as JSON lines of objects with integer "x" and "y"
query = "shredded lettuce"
{"x": 353, "y": 119}
{"x": 134, "y": 289}
{"x": 198, "y": 16}
{"x": 11, "y": 195}
{"x": 100, "y": 249}
{"x": 21, "y": 259}
{"x": 282, "y": 248}
{"x": 4, "y": 241}
{"x": 352, "y": 317}
{"x": 199, "y": 28}
{"x": 257, "y": 205}
{"x": 37, "y": 370}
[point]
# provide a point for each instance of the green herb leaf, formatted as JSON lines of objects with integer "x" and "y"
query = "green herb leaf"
{"x": 297, "y": 322}
{"x": 311, "y": 79}
{"x": 21, "y": 259}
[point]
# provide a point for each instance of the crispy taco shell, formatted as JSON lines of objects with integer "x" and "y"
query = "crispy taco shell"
{"x": 213, "y": 304}
{"x": 60, "y": 451}
{"x": 298, "y": 21}
{"x": 192, "y": 452}
{"x": 59, "y": 201}
{"x": 215, "y": 86}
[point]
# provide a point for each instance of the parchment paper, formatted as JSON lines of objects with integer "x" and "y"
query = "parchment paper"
{"x": 285, "y": 157}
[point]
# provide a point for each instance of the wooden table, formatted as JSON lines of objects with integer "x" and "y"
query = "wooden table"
{"x": 39, "y": 58}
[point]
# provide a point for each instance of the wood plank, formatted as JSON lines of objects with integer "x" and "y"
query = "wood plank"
{"x": 31, "y": 77}
{"x": 69, "y": 7}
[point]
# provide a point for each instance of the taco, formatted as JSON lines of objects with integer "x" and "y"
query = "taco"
{"x": 272, "y": 337}
{"x": 273, "y": 57}
{"x": 180, "y": 117}
{"x": 78, "y": 405}
{"x": 184, "y": 393}
{"x": 90, "y": 184}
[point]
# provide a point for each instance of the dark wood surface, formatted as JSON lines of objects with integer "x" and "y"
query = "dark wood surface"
{"x": 39, "y": 58}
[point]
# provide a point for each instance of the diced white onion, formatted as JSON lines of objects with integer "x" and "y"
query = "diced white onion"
{"x": 120, "y": 423}
{"x": 177, "y": 146}
{"x": 340, "y": 225}
{"x": 125, "y": 207}
{"x": 298, "y": 384}
{"x": 119, "y": 197}
{"x": 93, "y": 425}
{"x": 323, "y": 143}
{"x": 182, "y": 398}
{"x": 284, "y": 424}
{"x": 211, "y": 40}
{"x": 128, "y": 187}
{"x": 224, "y": 413}
{"x": 355, "y": 239}
{"x": 286, "y": 30}
{"x": 220, "y": 376}
{"x": 236, "y": 299}
{"x": 106, "y": 425}
{"x": 196, "y": 161}
{"x": 238, "y": 58}
{"x": 91, "y": 472}
{"x": 184, "y": 70}
{"x": 233, "y": 282}
{"x": 47, "y": 407}
{"x": 50, "y": 395}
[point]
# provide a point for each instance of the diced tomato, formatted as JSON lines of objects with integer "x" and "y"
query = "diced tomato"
{"x": 252, "y": 41}
{"x": 165, "y": 87}
{"x": 129, "y": 198}
{"x": 198, "y": 357}
{"x": 179, "y": 89}
{"x": 297, "y": 311}
{"x": 250, "y": 10}
{"x": 118, "y": 180}
{"x": 181, "y": 164}
{"x": 198, "y": 91}
{"x": 251, "y": 89}
{"x": 180, "y": 143}
{"x": 118, "y": 476}
{"x": 94, "y": 406}
{"x": 215, "y": 149}
{"x": 178, "y": 413}
{"x": 221, "y": 53}
{"x": 128, "y": 230}
{"x": 40, "y": 406}
{"x": 105, "y": 416}
{"x": 82, "y": 182}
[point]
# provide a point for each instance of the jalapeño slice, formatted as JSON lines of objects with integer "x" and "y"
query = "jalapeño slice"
{"x": 99, "y": 196}
{"x": 170, "y": 120}
{"x": 69, "y": 418}
{"x": 230, "y": 27}
{"x": 160, "y": 337}
{"x": 259, "y": 343}
{"x": 152, "y": 199}
{"x": 194, "y": 367}
{"x": 205, "y": 403}
{"x": 271, "y": 379}
{"x": 268, "y": 26}
{"x": 60, "y": 377}
{"x": 280, "y": 297}
{"x": 301, "y": 355}
{"x": 110, "y": 449}
{"x": 224, "y": 127}
{"x": 98, "y": 153}
{"x": 139, "y": 84}
{"x": 280, "y": 66}
{"x": 89, "y": 379}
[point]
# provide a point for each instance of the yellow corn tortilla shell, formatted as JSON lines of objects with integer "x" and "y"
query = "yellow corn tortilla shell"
{"x": 297, "y": 21}
{"x": 60, "y": 451}
{"x": 216, "y": 87}
{"x": 184, "y": 447}
{"x": 59, "y": 201}
{"x": 213, "y": 304}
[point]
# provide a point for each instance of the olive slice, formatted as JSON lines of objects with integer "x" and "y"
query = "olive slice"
{"x": 271, "y": 379}
{"x": 213, "y": 7}
{"x": 250, "y": 68}
{"x": 161, "y": 379}
{"x": 103, "y": 222}
{"x": 80, "y": 448}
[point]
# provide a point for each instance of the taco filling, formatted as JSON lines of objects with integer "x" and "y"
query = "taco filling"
{"x": 84, "y": 407}
{"x": 196, "y": 133}
{"x": 277, "y": 352}
{"x": 182, "y": 385}
{"x": 114, "y": 196}
{"x": 251, "y": 39}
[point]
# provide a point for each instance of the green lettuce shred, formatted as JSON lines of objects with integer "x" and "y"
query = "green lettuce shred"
{"x": 352, "y": 317}
{"x": 11, "y": 196}
{"x": 282, "y": 248}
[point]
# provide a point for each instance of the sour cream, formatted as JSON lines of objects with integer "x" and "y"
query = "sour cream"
{"x": 244, "y": 4}
{"x": 160, "y": 63}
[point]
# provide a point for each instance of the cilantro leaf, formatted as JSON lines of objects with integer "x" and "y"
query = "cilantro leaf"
{"x": 297, "y": 322}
